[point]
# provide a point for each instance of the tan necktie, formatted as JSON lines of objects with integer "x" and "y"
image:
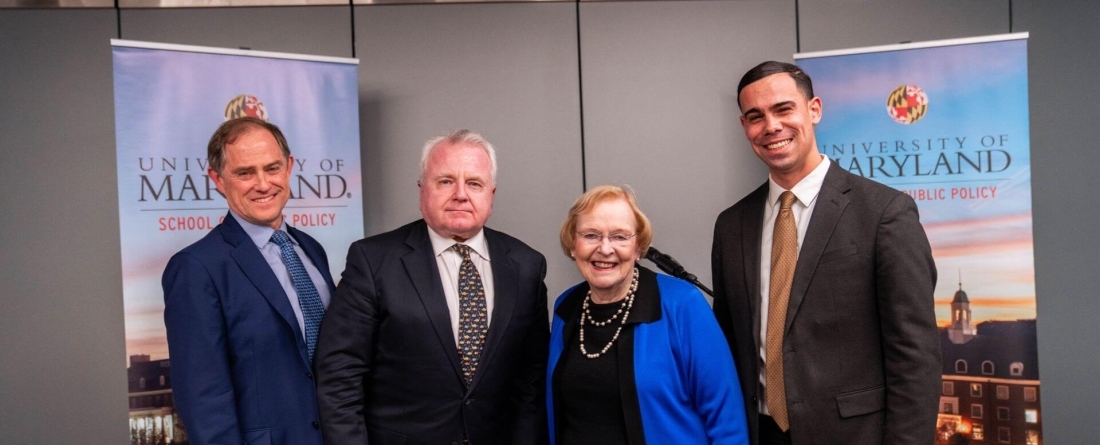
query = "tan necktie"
{"x": 784, "y": 258}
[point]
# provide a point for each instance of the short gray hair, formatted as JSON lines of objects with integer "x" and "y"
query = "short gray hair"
{"x": 459, "y": 137}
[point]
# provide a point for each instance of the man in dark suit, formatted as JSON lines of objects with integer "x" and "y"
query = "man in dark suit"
{"x": 438, "y": 332}
{"x": 823, "y": 285}
{"x": 243, "y": 304}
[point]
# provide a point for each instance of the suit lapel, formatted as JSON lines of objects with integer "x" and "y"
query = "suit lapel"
{"x": 424, "y": 274}
{"x": 752, "y": 229}
{"x": 255, "y": 267}
{"x": 505, "y": 286}
{"x": 831, "y": 201}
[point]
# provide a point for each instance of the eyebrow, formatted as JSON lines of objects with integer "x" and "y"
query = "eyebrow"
{"x": 250, "y": 168}
{"x": 772, "y": 107}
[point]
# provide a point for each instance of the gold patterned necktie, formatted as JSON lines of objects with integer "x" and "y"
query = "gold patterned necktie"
{"x": 473, "y": 323}
{"x": 784, "y": 258}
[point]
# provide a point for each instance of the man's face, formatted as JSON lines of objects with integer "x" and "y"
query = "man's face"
{"x": 254, "y": 178}
{"x": 779, "y": 123}
{"x": 456, "y": 192}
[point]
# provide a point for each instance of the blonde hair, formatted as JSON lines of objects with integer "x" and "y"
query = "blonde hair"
{"x": 597, "y": 195}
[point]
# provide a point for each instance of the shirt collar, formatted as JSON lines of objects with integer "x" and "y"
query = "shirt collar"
{"x": 806, "y": 190}
{"x": 260, "y": 235}
{"x": 477, "y": 243}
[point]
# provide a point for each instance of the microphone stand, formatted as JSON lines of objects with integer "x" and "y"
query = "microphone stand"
{"x": 669, "y": 265}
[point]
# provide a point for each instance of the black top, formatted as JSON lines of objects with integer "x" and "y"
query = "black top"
{"x": 647, "y": 309}
{"x": 592, "y": 405}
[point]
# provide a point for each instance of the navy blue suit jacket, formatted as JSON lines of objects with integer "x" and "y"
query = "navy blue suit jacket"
{"x": 388, "y": 369}
{"x": 239, "y": 372}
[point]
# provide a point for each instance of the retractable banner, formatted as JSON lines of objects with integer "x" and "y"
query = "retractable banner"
{"x": 169, "y": 99}
{"x": 947, "y": 123}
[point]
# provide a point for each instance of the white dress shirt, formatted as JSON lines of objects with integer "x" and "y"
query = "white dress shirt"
{"x": 449, "y": 263}
{"x": 806, "y": 192}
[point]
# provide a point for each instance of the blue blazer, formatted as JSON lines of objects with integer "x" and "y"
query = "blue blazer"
{"x": 677, "y": 379}
{"x": 239, "y": 372}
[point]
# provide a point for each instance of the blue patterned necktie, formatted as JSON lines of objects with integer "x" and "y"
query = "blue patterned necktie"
{"x": 472, "y": 320}
{"x": 308, "y": 298}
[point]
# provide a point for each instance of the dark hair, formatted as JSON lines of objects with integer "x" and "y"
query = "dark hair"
{"x": 801, "y": 80}
{"x": 232, "y": 129}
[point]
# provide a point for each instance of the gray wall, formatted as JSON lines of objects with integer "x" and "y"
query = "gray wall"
{"x": 660, "y": 108}
{"x": 835, "y": 24}
{"x": 319, "y": 30}
{"x": 656, "y": 81}
{"x": 508, "y": 71}
{"x": 1063, "y": 70}
{"x": 62, "y": 355}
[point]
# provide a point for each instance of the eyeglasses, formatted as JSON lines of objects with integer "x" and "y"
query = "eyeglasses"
{"x": 596, "y": 238}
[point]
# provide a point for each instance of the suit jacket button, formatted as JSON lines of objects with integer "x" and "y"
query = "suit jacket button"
{"x": 753, "y": 399}
{"x": 309, "y": 375}
{"x": 467, "y": 402}
{"x": 316, "y": 425}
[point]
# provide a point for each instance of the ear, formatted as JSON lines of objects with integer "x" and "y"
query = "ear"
{"x": 742, "y": 117}
{"x": 219, "y": 181}
{"x": 815, "y": 110}
{"x": 290, "y": 165}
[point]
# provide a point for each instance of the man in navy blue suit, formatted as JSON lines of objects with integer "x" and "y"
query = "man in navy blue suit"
{"x": 243, "y": 304}
{"x": 438, "y": 333}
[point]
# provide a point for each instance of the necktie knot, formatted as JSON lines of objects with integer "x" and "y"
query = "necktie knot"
{"x": 463, "y": 250}
{"x": 786, "y": 200}
{"x": 281, "y": 238}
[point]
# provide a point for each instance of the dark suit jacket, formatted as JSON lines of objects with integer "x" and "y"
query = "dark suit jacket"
{"x": 387, "y": 365}
{"x": 861, "y": 353}
{"x": 239, "y": 372}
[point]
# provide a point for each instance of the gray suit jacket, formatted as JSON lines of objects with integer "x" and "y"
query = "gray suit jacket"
{"x": 861, "y": 351}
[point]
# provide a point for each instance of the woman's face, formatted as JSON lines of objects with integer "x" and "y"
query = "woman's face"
{"x": 605, "y": 248}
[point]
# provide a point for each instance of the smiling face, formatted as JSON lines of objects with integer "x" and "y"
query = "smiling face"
{"x": 456, "y": 192}
{"x": 779, "y": 123}
{"x": 608, "y": 267}
{"x": 254, "y": 178}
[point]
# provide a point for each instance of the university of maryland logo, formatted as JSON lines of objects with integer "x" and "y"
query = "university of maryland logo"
{"x": 907, "y": 104}
{"x": 245, "y": 105}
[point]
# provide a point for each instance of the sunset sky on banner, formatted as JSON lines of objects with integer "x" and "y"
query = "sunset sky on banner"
{"x": 966, "y": 160}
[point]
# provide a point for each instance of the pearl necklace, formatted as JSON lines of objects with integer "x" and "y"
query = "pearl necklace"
{"x": 624, "y": 309}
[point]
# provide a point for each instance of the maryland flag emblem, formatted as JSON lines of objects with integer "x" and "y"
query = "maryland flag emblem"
{"x": 907, "y": 104}
{"x": 245, "y": 105}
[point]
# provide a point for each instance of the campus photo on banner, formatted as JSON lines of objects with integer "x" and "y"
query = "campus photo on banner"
{"x": 169, "y": 99}
{"x": 947, "y": 123}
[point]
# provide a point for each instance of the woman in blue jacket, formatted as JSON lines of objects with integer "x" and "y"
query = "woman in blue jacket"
{"x": 635, "y": 357}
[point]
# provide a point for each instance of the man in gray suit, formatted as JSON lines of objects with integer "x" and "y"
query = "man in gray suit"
{"x": 823, "y": 285}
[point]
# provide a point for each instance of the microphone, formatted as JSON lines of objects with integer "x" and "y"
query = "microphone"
{"x": 669, "y": 265}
